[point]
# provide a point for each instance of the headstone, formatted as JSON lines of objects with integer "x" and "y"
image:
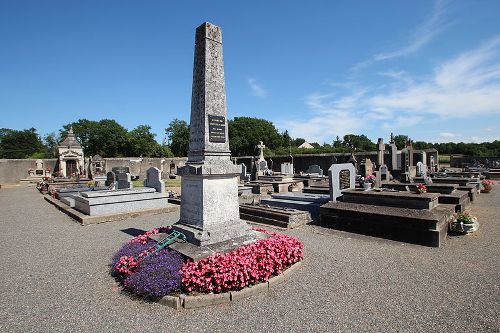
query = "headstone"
{"x": 243, "y": 174}
{"x": 120, "y": 169}
{"x": 342, "y": 176}
{"x": 287, "y": 168}
{"x": 380, "y": 151}
{"x": 384, "y": 173}
{"x": 124, "y": 180}
{"x": 366, "y": 167}
{"x": 98, "y": 166}
{"x": 209, "y": 207}
{"x": 111, "y": 180}
{"x": 39, "y": 171}
{"x": 153, "y": 179}
{"x": 421, "y": 172}
{"x": 314, "y": 169}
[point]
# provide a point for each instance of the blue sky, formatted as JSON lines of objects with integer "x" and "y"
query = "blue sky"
{"x": 428, "y": 69}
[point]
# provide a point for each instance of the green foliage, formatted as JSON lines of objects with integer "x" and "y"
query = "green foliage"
{"x": 178, "y": 137}
{"x": 245, "y": 134}
{"x": 20, "y": 144}
{"x": 105, "y": 137}
{"x": 359, "y": 142}
{"x": 141, "y": 142}
{"x": 400, "y": 141}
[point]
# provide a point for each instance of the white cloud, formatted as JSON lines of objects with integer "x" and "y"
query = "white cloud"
{"x": 467, "y": 85}
{"x": 422, "y": 35}
{"x": 256, "y": 88}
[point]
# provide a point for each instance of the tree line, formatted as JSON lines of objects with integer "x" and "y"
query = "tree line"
{"x": 110, "y": 139}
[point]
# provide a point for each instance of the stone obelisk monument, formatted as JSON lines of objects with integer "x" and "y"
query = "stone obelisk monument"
{"x": 209, "y": 204}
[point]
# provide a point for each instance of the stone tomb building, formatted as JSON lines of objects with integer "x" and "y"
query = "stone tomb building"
{"x": 71, "y": 159}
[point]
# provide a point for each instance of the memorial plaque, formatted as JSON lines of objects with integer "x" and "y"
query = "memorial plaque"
{"x": 217, "y": 128}
{"x": 344, "y": 179}
{"x": 120, "y": 169}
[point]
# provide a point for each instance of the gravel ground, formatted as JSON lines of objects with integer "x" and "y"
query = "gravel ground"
{"x": 54, "y": 278}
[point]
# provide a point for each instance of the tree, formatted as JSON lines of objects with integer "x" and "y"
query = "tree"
{"x": 178, "y": 137}
{"x": 337, "y": 143}
{"x": 50, "y": 141}
{"x": 142, "y": 142}
{"x": 245, "y": 133}
{"x": 297, "y": 142}
{"x": 105, "y": 137}
{"x": 20, "y": 144}
{"x": 359, "y": 142}
{"x": 400, "y": 140}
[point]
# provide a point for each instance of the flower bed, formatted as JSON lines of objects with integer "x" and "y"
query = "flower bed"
{"x": 487, "y": 185}
{"x": 164, "y": 272}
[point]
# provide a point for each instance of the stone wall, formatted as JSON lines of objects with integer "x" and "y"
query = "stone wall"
{"x": 13, "y": 170}
{"x": 462, "y": 161}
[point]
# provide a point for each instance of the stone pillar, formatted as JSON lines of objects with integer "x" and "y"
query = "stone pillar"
{"x": 209, "y": 206}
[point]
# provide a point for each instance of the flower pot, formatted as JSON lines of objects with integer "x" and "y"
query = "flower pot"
{"x": 485, "y": 191}
{"x": 367, "y": 186}
{"x": 464, "y": 228}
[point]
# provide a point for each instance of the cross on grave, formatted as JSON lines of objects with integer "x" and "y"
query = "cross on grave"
{"x": 261, "y": 147}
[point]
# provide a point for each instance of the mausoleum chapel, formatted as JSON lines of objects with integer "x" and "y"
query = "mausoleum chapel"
{"x": 71, "y": 158}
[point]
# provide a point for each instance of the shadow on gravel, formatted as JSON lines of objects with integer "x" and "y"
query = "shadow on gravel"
{"x": 133, "y": 231}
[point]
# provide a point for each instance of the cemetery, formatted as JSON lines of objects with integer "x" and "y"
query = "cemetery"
{"x": 247, "y": 232}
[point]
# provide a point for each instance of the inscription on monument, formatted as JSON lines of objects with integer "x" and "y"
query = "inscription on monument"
{"x": 217, "y": 128}
{"x": 344, "y": 179}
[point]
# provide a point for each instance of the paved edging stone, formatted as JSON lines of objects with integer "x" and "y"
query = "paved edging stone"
{"x": 198, "y": 301}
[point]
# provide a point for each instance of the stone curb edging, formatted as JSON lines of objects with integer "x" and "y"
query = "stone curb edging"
{"x": 87, "y": 219}
{"x": 198, "y": 301}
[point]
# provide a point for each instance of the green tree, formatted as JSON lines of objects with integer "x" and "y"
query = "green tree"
{"x": 298, "y": 141}
{"x": 142, "y": 142}
{"x": 178, "y": 137}
{"x": 400, "y": 140}
{"x": 359, "y": 142}
{"x": 105, "y": 137}
{"x": 50, "y": 141}
{"x": 245, "y": 133}
{"x": 20, "y": 144}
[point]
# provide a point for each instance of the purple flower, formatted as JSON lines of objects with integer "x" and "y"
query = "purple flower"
{"x": 157, "y": 276}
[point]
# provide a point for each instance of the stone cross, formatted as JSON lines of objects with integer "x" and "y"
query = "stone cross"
{"x": 261, "y": 147}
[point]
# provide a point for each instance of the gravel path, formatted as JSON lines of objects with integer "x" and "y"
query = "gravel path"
{"x": 54, "y": 278}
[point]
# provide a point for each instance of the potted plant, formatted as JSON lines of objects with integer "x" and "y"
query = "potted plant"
{"x": 370, "y": 179}
{"x": 464, "y": 223}
{"x": 421, "y": 188}
{"x": 486, "y": 185}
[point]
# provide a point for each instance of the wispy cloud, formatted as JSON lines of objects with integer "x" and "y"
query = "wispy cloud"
{"x": 421, "y": 36}
{"x": 256, "y": 89}
{"x": 465, "y": 86}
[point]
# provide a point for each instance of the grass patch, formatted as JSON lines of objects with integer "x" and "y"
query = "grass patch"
{"x": 444, "y": 158}
{"x": 168, "y": 182}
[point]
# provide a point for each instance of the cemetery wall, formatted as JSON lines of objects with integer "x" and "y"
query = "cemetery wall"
{"x": 13, "y": 170}
{"x": 462, "y": 161}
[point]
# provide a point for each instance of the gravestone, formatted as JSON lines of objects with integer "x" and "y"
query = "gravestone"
{"x": 342, "y": 177}
{"x": 120, "y": 170}
{"x": 380, "y": 151}
{"x": 287, "y": 168}
{"x": 123, "y": 180}
{"x": 384, "y": 174}
{"x": 314, "y": 169}
{"x": 366, "y": 167}
{"x": 153, "y": 179}
{"x": 39, "y": 171}
{"x": 243, "y": 174}
{"x": 111, "y": 180}
{"x": 98, "y": 166}
{"x": 209, "y": 211}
